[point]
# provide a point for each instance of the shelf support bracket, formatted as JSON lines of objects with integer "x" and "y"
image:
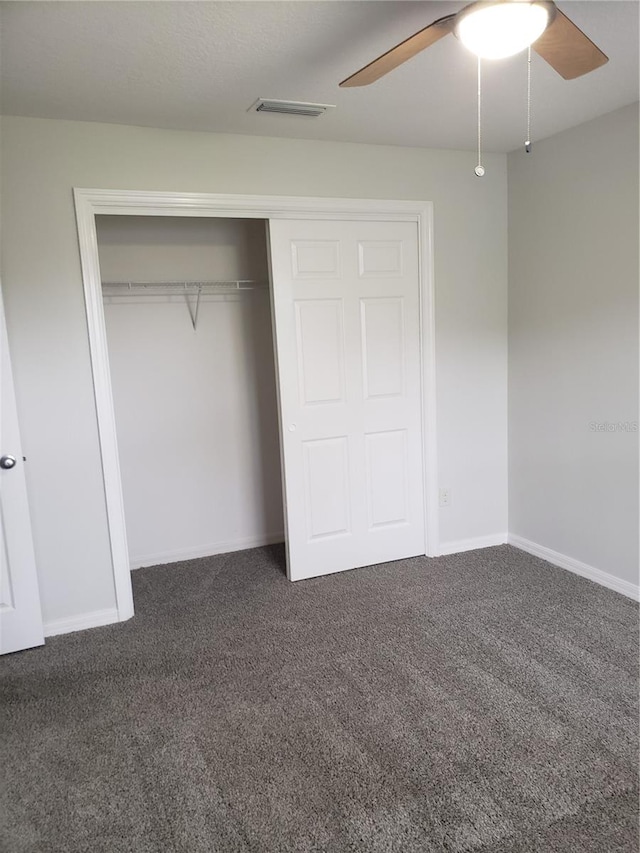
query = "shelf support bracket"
{"x": 194, "y": 313}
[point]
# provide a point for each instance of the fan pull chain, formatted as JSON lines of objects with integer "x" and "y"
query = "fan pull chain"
{"x": 479, "y": 170}
{"x": 527, "y": 144}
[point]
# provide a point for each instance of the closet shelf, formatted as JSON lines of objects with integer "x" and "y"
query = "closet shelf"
{"x": 121, "y": 288}
{"x": 184, "y": 288}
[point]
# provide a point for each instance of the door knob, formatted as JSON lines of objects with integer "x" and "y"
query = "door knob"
{"x": 7, "y": 462}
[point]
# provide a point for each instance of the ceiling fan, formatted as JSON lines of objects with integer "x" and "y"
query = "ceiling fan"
{"x": 497, "y": 29}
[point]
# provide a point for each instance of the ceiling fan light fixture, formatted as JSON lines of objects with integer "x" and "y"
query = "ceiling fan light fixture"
{"x": 501, "y": 29}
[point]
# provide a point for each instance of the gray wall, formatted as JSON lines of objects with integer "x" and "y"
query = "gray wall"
{"x": 573, "y": 343}
{"x": 43, "y": 159}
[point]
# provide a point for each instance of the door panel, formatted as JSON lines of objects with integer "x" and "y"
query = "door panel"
{"x": 346, "y": 314}
{"x": 20, "y": 616}
{"x": 320, "y": 345}
{"x": 383, "y": 347}
{"x": 387, "y": 478}
{"x": 327, "y": 487}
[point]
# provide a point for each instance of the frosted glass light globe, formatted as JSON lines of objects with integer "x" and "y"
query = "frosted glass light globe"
{"x": 497, "y": 30}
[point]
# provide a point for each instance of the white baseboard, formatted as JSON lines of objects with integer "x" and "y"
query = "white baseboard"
{"x": 80, "y": 623}
{"x": 473, "y": 544}
{"x": 163, "y": 557}
{"x": 562, "y": 561}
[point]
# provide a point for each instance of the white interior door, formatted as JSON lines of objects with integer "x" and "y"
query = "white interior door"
{"x": 20, "y": 615}
{"x": 346, "y": 300}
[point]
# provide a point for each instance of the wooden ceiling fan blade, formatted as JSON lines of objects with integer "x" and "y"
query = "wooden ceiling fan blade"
{"x": 567, "y": 49}
{"x": 401, "y": 53}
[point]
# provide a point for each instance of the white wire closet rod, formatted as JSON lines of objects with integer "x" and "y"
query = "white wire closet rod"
{"x": 186, "y": 288}
{"x": 234, "y": 284}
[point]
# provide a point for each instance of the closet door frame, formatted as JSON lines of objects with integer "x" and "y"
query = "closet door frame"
{"x": 92, "y": 202}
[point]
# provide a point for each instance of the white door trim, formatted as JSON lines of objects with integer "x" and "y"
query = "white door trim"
{"x": 91, "y": 202}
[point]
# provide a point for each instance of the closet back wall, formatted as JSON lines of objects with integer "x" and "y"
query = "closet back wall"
{"x": 196, "y": 411}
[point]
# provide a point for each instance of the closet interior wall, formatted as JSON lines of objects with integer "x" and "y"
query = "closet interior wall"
{"x": 196, "y": 411}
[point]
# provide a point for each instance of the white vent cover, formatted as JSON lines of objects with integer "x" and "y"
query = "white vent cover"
{"x": 289, "y": 108}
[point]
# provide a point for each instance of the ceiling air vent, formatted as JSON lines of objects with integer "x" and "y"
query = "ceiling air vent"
{"x": 290, "y": 108}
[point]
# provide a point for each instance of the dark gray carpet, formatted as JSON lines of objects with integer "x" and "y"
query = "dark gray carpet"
{"x": 484, "y": 702}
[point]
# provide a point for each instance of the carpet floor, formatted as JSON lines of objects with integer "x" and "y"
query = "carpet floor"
{"x": 483, "y": 702}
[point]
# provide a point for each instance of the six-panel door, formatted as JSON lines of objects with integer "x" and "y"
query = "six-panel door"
{"x": 346, "y": 315}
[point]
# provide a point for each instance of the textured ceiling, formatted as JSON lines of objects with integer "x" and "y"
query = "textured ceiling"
{"x": 200, "y": 65}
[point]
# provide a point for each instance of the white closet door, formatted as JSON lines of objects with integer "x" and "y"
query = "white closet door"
{"x": 20, "y": 616}
{"x": 347, "y": 328}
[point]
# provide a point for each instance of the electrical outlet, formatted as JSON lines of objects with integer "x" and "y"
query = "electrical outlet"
{"x": 445, "y": 496}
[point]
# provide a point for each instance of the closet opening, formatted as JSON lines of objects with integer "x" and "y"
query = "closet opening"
{"x": 190, "y": 343}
